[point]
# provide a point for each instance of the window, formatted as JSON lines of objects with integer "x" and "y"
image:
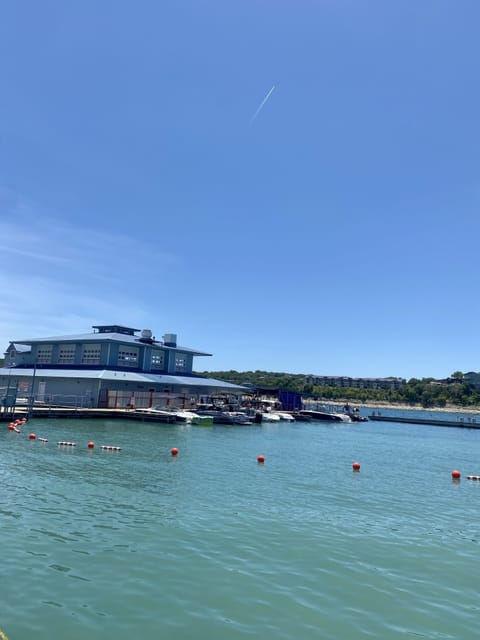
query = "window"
{"x": 180, "y": 362}
{"x": 66, "y": 354}
{"x": 91, "y": 354}
{"x": 44, "y": 354}
{"x": 128, "y": 356}
{"x": 158, "y": 360}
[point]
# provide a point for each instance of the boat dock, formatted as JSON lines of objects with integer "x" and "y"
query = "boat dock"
{"x": 80, "y": 412}
{"x": 461, "y": 421}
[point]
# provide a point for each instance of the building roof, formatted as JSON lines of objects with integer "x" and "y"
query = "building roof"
{"x": 113, "y": 337}
{"x": 123, "y": 376}
{"x": 21, "y": 348}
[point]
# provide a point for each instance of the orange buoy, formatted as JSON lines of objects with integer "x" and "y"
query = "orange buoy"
{"x": 32, "y": 436}
{"x": 456, "y": 474}
{"x": 174, "y": 451}
{"x": 260, "y": 459}
{"x": 356, "y": 466}
{"x": 90, "y": 445}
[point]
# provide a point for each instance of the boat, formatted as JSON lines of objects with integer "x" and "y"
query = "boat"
{"x": 220, "y": 416}
{"x": 152, "y": 413}
{"x": 301, "y": 417}
{"x": 325, "y": 416}
{"x": 268, "y": 416}
{"x": 354, "y": 414}
{"x": 270, "y": 411}
{"x": 191, "y": 417}
{"x": 331, "y": 413}
{"x": 285, "y": 415}
{"x": 240, "y": 418}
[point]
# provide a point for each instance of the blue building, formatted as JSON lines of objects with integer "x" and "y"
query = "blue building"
{"x": 112, "y": 367}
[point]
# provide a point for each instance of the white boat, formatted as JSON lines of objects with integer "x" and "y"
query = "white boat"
{"x": 328, "y": 416}
{"x": 193, "y": 418}
{"x": 225, "y": 417}
{"x": 284, "y": 415}
{"x": 268, "y": 416}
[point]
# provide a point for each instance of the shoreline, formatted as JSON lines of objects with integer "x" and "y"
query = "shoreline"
{"x": 406, "y": 407}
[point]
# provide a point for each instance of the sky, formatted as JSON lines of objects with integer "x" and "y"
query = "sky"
{"x": 150, "y": 177}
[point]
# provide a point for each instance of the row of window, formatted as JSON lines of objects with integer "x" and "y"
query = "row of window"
{"x": 90, "y": 355}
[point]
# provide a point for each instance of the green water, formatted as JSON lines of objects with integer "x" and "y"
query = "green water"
{"x": 212, "y": 545}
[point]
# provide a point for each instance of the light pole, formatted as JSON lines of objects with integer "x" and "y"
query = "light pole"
{"x": 32, "y": 397}
{"x": 8, "y": 404}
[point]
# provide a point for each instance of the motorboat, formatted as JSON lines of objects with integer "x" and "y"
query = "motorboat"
{"x": 268, "y": 416}
{"x": 284, "y": 415}
{"x": 220, "y": 416}
{"x": 325, "y": 416}
{"x": 191, "y": 417}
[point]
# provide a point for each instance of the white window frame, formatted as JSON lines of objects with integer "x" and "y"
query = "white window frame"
{"x": 44, "y": 354}
{"x": 66, "y": 354}
{"x": 91, "y": 354}
{"x": 180, "y": 362}
{"x": 128, "y": 357}
{"x": 158, "y": 360}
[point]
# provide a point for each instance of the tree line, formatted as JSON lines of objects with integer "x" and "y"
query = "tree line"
{"x": 425, "y": 392}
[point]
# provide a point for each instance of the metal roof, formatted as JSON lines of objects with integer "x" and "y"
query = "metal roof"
{"x": 21, "y": 348}
{"x": 123, "y": 376}
{"x": 103, "y": 337}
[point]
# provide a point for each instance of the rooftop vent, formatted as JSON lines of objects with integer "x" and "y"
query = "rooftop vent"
{"x": 170, "y": 339}
{"x": 146, "y": 336}
{"x": 115, "y": 328}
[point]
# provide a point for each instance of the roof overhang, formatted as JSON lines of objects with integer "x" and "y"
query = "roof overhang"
{"x": 123, "y": 376}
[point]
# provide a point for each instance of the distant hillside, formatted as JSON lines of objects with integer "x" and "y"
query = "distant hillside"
{"x": 426, "y": 392}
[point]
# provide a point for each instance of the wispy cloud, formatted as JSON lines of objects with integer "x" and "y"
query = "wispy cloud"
{"x": 58, "y": 277}
{"x": 22, "y": 253}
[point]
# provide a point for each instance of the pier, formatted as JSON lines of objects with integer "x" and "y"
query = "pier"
{"x": 90, "y": 413}
{"x": 460, "y": 422}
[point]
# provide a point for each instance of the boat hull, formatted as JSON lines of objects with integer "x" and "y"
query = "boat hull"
{"x": 323, "y": 416}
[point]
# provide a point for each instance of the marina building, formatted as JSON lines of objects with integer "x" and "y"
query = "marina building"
{"x": 112, "y": 367}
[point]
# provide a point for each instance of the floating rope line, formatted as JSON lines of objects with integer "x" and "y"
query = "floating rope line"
{"x": 3, "y": 636}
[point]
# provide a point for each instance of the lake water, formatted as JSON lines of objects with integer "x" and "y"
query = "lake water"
{"x": 211, "y": 545}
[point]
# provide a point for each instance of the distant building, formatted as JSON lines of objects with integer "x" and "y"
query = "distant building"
{"x": 110, "y": 367}
{"x": 358, "y": 383}
{"x": 472, "y": 378}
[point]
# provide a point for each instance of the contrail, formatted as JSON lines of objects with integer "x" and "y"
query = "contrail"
{"x": 262, "y": 104}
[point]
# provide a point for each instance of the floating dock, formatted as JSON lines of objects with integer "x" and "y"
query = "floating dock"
{"x": 461, "y": 422}
{"x": 76, "y": 412}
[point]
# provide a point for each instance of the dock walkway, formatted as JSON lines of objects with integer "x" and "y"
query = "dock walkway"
{"x": 80, "y": 412}
{"x": 461, "y": 422}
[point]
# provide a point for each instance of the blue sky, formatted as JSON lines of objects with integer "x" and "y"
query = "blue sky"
{"x": 336, "y": 234}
